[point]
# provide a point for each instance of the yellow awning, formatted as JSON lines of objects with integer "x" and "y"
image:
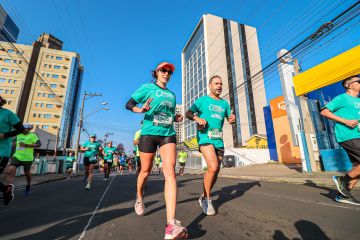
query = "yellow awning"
{"x": 331, "y": 71}
{"x": 192, "y": 144}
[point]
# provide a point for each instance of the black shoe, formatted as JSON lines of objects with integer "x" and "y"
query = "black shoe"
{"x": 349, "y": 200}
{"x": 9, "y": 194}
{"x": 342, "y": 186}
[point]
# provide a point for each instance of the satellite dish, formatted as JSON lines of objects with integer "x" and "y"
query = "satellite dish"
{"x": 285, "y": 57}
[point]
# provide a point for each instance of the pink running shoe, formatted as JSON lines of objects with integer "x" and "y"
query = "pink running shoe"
{"x": 174, "y": 230}
{"x": 139, "y": 206}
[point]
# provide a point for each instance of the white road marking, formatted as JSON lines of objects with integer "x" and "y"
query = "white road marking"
{"x": 97, "y": 207}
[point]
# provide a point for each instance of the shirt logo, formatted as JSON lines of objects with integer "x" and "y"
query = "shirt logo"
{"x": 160, "y": 93}
{"x": 216, "y": 108}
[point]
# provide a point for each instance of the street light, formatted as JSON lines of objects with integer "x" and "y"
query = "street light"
{"x": 104, "y": 108}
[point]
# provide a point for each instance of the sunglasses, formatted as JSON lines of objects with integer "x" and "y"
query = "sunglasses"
{"x": 164, "y": 70}
{"x": 358, "y": 81}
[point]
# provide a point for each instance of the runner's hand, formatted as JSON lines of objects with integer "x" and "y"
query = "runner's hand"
{"x": 351, "y": 123}
{"x": 179, "y": 118}
{"x": 231, "y": 118}
{"x": 201, "y": 121}
{"x": 146, "y": 107}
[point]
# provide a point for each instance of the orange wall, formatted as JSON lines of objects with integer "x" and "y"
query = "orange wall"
{"x": 287, "y": 153}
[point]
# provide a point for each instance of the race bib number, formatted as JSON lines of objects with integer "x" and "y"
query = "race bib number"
{"x": 20, "y": 148}
{"x": 93, "y": 158}
{"x": 109, "y": 160}
{"x": 215, "y": 134}
{"x": 162, "y": 119}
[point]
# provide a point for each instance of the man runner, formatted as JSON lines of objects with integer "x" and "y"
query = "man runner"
{"x": 108, "y": 152}
{"x": 8, "y": 121}
{"x": 182, "y": 157}
{"x": 209, "y": 112}
{"x": 345, "y": 111}
{"x": 23, "y": 156}
{"x": 92, "y": 149}
{"x": 122, "y": 161}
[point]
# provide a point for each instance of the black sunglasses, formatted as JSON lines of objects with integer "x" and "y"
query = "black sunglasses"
{"x": 164, "y": 70}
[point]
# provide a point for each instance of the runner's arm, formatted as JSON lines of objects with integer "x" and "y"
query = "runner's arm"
{"x": 191, "y": 116}
{"x": 328, "y": 114}
{"x": 37, "y": 144}
{"x": 131, "y": 104}
{"x": 19, "y": 128}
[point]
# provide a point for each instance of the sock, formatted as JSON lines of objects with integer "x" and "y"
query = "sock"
{"x": 346, "y": 179}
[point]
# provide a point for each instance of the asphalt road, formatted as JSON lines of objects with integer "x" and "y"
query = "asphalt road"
{"x": 246, "y": 210}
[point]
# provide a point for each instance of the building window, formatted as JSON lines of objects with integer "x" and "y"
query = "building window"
{"x": 34, "y": 115}
{"x": 9, "y": 81}
{"x": 40, "y": 115}
{"x": 42, "y": 84}
{"x": 43, "y": 74}
{"x": 37, "y": 104}
{"x": 49, "y": 105}
{"x": 47, "y": 56}
{"x": 47, "y": 116}
{"x": 7, "y": 60}
{"x": 48, "y": 75}
{"x": 12, "y": 70}
{"x": 15, "y": 61}
{"x": 39, "y": 94}
{"x": 45, "y": 127}
{"x": 9, "y": 102}
{"x": 41, "y": 105}
{"x": 12, "y": 91}
{"x": 1, "y": 90}
{"x": 59, "y": 58}
{"x": 55, "y": 76}
{"x": 52, "y": 57}
{"x": 17, "y": 71}
{"x": 4, "y": 70}
{"x": 6, "y": 91}
{"x": 45, "y": 65}
{"x": 2, "y": 80}
{"x": 51, "y": 96}
{"x": 53, "y": 85}
{"x": 50, "y": 66}
{"x": 10, "y": 51}
{"x": 20, "y": 62}
{"x": 44, "y": 94}
{"x": 14, "y": 81}
{"x": 56, "y": 67}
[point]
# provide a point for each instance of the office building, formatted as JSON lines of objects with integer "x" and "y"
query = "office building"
{"x": 229, "y": 49}
{"x": 9, "y": 32}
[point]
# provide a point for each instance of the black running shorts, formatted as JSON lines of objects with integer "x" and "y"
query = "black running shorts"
{"x": 17, "y": 163}
{"x": 149, "y": 143}
{"x": 352, "y": 148}
{"x": 218, "y": 151}
{"x": 87, "y": 161}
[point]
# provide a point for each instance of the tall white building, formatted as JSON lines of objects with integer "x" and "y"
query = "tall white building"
{"x": 178, "y": 127}
{"x": 230, "y": 49}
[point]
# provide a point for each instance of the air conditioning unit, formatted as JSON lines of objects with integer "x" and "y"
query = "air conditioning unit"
{"x": 56, "y": 116}
{"x": 54, "y": 126}
{"x": 62, "y": 85}
{"x": 67, "y": 58}
{"x": 65, "y": 67}
{"x": 61, "y": 96}
{"x": 63, "y": 76}
{"x": 59, "y": 105}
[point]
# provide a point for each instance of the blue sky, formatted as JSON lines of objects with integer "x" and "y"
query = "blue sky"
{"x": 121, "y": 41}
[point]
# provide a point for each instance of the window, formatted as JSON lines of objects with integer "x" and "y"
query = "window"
{"x": 12, "y": 91}
{"x": 6, "y": 91}
{"x": 37, "y": 104}
{"x": 45, "y": 65}
{"x": 41, "y": 105}
{"x": 9, "y": 81}
{"x": 42, "y": 84}
{"x": 43, "y": 74}
{"x": 58, "y": 58}
{"x": 47, "y": 56}
{"x": 17, "y": 71}
{"x": 52, "y": 57}
{"x": 40, "y": 115}
{"x": 47, "y": 116}
{"x": 55, "y": 76}
{"x": 10, "y": 51}
{"x": 51, "y": 96}
{"x": 2, "y": 80}
{"x": 50, "y": 66}
{"x": 15, "y": 61}
{"x": 45, "y": 127}
{"x": 20, "y": 62}
{"x": 56, "y": 67}
{"x": 12, "y": 70}
{"x": 49, "y": 105}
{"x": 1, "y": 90}
{"x": 53, "y": 85}
{"x": 48, "y": 75}
{"x": 14, "y": 81}
{"x": 7, "y": 60}
{"x": 4, "y": 70}
{"x": 9, "y": 102}
{"x": 39, "y": 94}
{"x": 44, "y": 94}
{"x": 34, "y": 115}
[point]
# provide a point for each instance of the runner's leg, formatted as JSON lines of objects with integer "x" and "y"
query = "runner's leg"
{"x": 146, "y": 165}
{"x": 213, "y": 164}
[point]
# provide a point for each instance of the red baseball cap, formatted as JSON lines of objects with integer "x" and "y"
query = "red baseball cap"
{"x": 166, "y": 64}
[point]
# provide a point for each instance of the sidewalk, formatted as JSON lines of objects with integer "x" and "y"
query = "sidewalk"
{"x": 275, "y": 172}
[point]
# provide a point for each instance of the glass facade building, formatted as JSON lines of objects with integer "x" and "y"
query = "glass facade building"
{"x": 9, "y": 32}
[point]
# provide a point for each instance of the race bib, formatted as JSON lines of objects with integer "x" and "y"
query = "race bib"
{"x": 215, "y": 134}
{"x": 109, "y": 160}
{"x": 162, "y": 119}
{"x": 20, "y": 148}
{"x": 93, "y": 158}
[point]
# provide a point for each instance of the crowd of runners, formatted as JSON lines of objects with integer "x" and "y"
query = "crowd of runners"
{"x": 155, "y": 144}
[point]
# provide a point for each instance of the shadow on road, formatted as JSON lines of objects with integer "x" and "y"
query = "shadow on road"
{"x": 225, "y": 194}
{"x": 331, "y": 193}
{"x": 307, "y": 230}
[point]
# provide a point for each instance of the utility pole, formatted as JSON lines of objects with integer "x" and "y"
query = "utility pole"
{"x": 77, "y": 146}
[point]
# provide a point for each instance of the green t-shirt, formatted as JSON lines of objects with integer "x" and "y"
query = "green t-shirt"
{"x": 347, "y": 107}
{"x": 182, "y": 157}
{"x": 158, "y": 121}
{"x": 214, "y": 111}
{"x": 157, "y": 160}
{"x": 109, "y": 151}
{"x": 69, "y": 161}
{"x": 7, "y": 120}
{"x": 93, "y": 148}
{"x": 137, "y": 137}
{"x": 25, "y": 154}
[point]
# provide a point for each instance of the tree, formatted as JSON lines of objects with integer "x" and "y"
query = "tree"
{"x": 120, "y": 147}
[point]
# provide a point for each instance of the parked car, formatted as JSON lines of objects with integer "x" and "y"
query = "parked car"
{"x": 229, "y": 161}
